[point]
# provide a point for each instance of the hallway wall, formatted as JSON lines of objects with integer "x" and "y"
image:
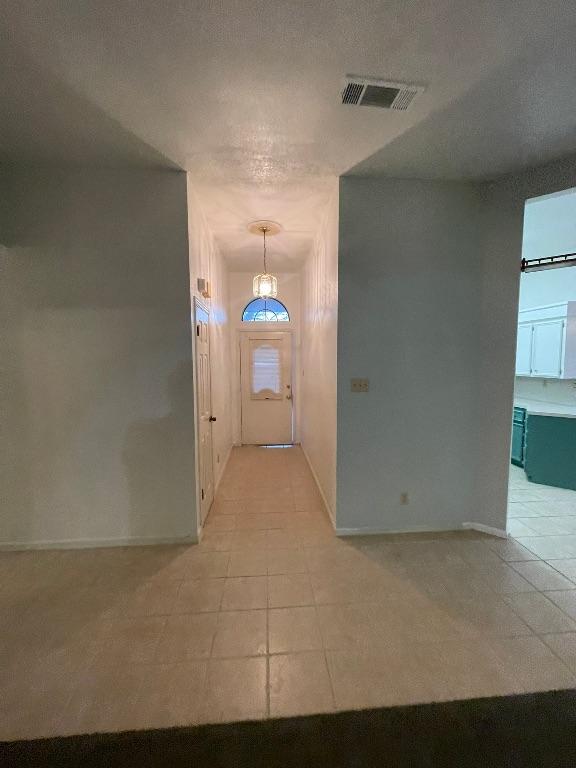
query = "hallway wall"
{"x": 429, "y": 277}
{"x": 408, "y": 320}
{"x": 319, "y": 343}
{"x": 206, "y": 261}
{"x": 97, "y": 418}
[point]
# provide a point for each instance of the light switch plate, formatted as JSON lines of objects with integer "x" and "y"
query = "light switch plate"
{"x": 359, "y": 385}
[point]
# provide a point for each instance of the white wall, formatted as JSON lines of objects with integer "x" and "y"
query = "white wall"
{"x": 408, "y": 320}
{"x": 319, "y": 344}
{"x": 240, "y": 293}
{"x": 498, "y": 292}
{"x": 549, "y": 230}
{"x": 552, "y": 391}
{"x": 97, "y": 381}
{"x": 207, "y": 262}
{"x": 538, "y": 289}
{"x": 550, "y": 225}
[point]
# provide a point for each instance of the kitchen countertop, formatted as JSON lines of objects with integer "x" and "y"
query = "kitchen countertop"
{"x": 541, "y": 408}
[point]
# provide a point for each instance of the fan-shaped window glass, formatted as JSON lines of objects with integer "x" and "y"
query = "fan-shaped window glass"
{"x": 265, "y": 311}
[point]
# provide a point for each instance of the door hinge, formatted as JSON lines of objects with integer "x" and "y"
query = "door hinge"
{"x": 202, "y": 494}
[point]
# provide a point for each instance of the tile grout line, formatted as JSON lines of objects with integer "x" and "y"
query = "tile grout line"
{"x": 546, "y": 562}
{"x": 218, "y": 613}
{"x": 551, "y": 602}
{"x": 325, "y": 653}
{"x": 542, "y": 638}
{"x": 549, "y": 562}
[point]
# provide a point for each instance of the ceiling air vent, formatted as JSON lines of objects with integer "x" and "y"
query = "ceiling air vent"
{"x": 367, "y": 92}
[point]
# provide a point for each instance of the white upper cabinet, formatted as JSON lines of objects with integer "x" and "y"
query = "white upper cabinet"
{"x": 546, "y": 342}
{"x": 547, "y": 348}
{"x": 524, "y": 350}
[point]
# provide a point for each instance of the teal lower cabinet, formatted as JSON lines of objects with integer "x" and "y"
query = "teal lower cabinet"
{"x": 518, "y": 429}
{"x": 550, "y": 450}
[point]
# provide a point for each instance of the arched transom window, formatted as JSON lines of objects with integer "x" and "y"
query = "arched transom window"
{"x": 265, "y": 311}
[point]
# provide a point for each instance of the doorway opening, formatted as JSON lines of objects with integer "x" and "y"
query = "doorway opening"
{"x": 542, "y": 492}
{"x": 266, "y": 360}
{"x": 266, "y": 378}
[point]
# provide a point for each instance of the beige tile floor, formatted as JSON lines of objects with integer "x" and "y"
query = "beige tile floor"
{"x": 542, "y": 518}
{"x": 273, "y": 615}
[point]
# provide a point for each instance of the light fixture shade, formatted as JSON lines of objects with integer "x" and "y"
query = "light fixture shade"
{"x": 265, "y": 286}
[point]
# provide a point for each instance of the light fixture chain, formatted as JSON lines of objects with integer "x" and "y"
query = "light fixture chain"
{"x": 264, "y": 232}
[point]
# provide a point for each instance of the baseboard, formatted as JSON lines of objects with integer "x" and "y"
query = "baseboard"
{"x": 500, "y": 532}
{"x": 136, "y": 541}
{"x": 384, "y": 531}
{"x": 421, "y": 529}
{"x": 318, "y": 485}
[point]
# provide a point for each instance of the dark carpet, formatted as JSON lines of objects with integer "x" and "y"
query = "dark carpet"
{"x": 529, "y": 730}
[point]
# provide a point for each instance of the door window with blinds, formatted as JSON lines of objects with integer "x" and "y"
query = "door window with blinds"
{"x": 266, "y": 387}
{"x": 265, "y": 369}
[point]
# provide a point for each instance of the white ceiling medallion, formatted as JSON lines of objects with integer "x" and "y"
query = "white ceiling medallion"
{"x": 264, "y": 285}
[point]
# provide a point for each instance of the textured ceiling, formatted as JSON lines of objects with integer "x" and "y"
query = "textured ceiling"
{"x": 522, "y": 114}
{"x": 297, "y": 205}
{"x": 244, "y": 94}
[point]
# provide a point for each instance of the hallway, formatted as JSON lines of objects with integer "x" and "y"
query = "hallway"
{"x": 273, "y": 615}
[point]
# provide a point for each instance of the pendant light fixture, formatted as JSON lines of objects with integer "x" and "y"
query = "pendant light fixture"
{"x": 264, "y": 285}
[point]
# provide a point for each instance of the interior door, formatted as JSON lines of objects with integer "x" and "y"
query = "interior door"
{"x": 205, "y": 418}
{"x": 547, "y": 348}
{"x": 266, "y": 386}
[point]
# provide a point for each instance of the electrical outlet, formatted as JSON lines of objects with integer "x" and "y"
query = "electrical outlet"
{"x": 359, "y": 385}
{"x": 404, "y": 498}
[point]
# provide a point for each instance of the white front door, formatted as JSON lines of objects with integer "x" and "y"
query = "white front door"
{"x": 204, "y": 404}
{"x": 266, "y": 385}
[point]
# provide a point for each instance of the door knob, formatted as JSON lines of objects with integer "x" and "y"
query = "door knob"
{"x": 212, "y": 418}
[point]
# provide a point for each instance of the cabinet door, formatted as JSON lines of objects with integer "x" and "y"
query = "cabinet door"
{"x": 548, "y": 348}
{"x": 524, "y": 350}
{"x": 517, "y": 456}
